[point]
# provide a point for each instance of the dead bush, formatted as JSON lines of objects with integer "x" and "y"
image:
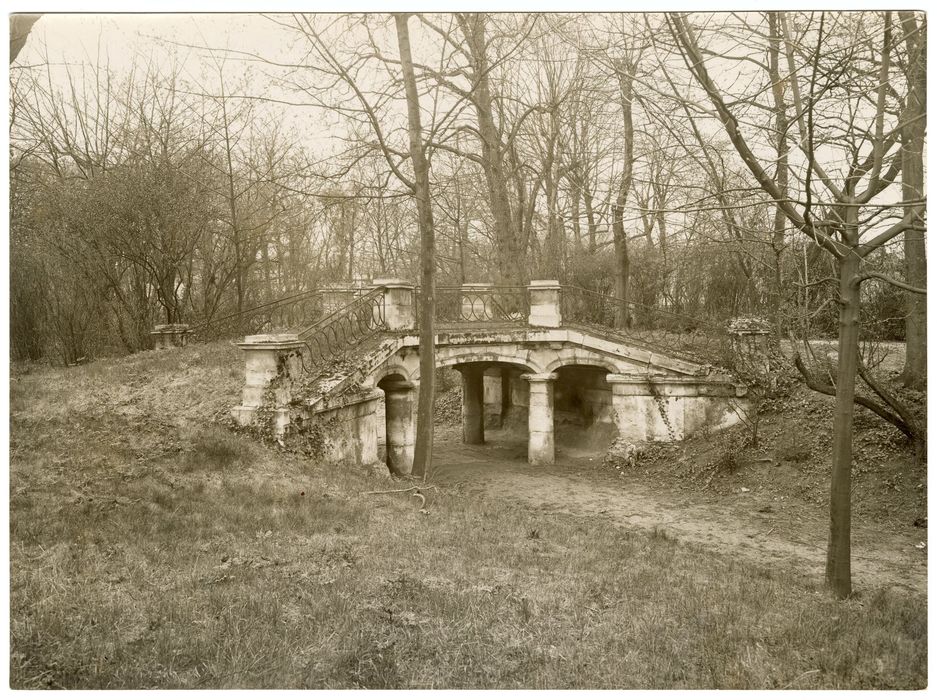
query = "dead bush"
{"x": 727, "y": 462}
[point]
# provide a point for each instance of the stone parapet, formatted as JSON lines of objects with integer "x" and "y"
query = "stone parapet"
{"x": 170, "y": 335}
{"x": 348, "y": 432}
{"x": 663, "y": 385}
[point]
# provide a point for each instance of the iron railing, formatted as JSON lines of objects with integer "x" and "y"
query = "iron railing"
{"x": 691, "y": 338}
{"x": 346, "y": 327}
{"x": 488, "y": 305}
{"x": 280, "y": 314}
{"x": 335, "y": 332}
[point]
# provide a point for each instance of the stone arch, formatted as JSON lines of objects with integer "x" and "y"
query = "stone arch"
{"x": 593, "y": 360}
{"x": 392, "y": 366}
{"x": 583, "y": 414}
{"x": 466, "y": 355}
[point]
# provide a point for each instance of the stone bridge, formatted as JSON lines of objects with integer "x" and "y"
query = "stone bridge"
{"x": 523, "y": 366}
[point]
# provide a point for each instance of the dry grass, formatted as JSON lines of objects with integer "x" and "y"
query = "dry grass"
{"x": 151, "y": 548}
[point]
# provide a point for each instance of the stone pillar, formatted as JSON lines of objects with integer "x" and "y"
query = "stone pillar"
{"x": 170, "y": 335}
{"x": 473, "y": 404}
{"x": 399, "y": 309}
{"x": 540, "y": 444}
{"x": 476, "y": 301}
{"x": 493, "y": 399}
{"x": 545, "y": 303}
{"x": 505, "y": 395}
{"x": 266, "y": 358}
{"x": 400, "y": 433}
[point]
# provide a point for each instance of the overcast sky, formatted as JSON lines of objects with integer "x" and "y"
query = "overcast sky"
{"x": 122, "y": 40}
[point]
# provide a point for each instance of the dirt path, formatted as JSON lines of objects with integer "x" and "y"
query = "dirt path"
{"x": 746, "y": 524}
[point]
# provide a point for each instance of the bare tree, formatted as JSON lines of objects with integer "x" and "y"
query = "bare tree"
{"x": 913, "y": 119}
{"x": 626, "y": 67}
{"x": 839, "y": 220}
{"x": 422, "y": 460}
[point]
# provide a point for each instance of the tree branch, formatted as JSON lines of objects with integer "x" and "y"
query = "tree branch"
{"x": 893, "y": 282}
{"x": 830, "y": 390}
{"x": 683, "y": 34}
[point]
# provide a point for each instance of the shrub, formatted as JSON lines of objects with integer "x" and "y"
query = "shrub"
{"x": 790, "y": 449}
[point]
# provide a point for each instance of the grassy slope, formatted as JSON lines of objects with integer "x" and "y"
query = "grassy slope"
{"x": 152, "y": 548}
{"x": 793, "y": 460}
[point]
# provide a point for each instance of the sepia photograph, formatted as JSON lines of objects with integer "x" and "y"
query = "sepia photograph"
{"x": 503, "y": 350}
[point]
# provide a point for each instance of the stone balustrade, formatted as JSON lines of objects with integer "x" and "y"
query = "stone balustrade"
{"x": 170, "y": 335}
{"x": 476, "y": 303}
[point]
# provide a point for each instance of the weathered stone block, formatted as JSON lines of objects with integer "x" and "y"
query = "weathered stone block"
{"x": 170, "y": 335}
{"x": 399, "y": 304}
{"x": 545, "y": 303}
{"x": 271, "y": 363}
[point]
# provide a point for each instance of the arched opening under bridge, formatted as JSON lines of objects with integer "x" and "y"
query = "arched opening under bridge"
{"x": 568, "y": 410}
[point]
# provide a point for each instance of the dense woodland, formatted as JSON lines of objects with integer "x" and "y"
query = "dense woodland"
{"x": 576, "y": 147}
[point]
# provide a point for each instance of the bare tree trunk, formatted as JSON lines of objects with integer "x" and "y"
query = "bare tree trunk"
{"x": 423, "y": 452}
{"x": 232, "y": 204}
{"x": 622, "y": 258}
{"x": 914, "y": 374}
{"x": 625, "y": 70}
{"x": 838, "y": 561}
{"x": 511, "y": 255}
{"x": 554, "y": 244}
{"x": 351, "y": 252}
{"x": 461, "y": 232}
{"x": 574, "y": 196}
{"x": 590, "y": 217}
{"x": 781, "y": 173}
{"x": 663, "y": 275}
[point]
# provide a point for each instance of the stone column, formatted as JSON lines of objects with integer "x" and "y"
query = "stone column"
{"x": 400, "y": 434}
{"x": 473, "y": 404}
{"x": 476, "y": 301}
{"x": 268, "y": 357}
{"x": 170, "y": 335}
{"x": 540, "y": 443}
{"x": 544, "y": 303}
{"x": 399, "y": 310}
